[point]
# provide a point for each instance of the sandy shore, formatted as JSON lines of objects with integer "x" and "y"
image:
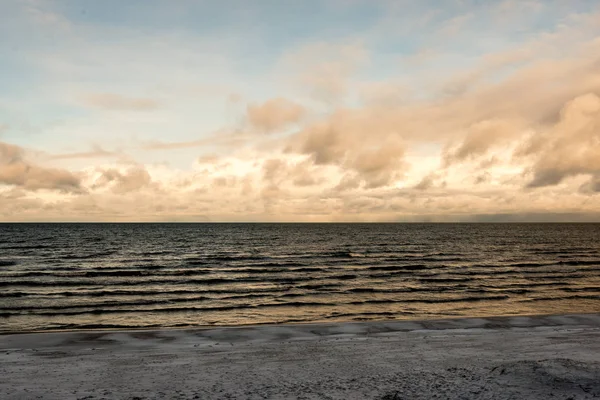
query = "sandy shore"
{"x": 492, "y": 358}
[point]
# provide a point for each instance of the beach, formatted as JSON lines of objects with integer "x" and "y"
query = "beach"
{"x": 534, "y": 357}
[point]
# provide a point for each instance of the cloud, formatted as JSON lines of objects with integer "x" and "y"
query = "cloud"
{"x": 572, "y": 147}
{"x": 375, "y": 155}
{"x": 480, "y": 137}
{"x": 487, "y": 120}
{"x": 224, "y": 138}
{"x": 384, "y": 125}
{"x": 40, "y": 14}
{"x": 16, "y": 171}
{"x": 158, "y": 145}
{"x": 453, "y": 26}
{"x": 117, "y": 102}
{"x": 279, "y": 172}
{"x": 122, "y": 182}
{"x": 488, "y": 68}
{"x": 592, "y": 186}
{"x": 96, "y": 152}
{"x": 384, "y": 93}
{"x": 324, "y": 69}
{"x": 428, "y": 182}
{"x": 274, "y": 114}
{"x": 10, "y": 154}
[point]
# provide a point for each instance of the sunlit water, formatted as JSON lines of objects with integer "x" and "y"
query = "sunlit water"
{"x": 72, "y": 276}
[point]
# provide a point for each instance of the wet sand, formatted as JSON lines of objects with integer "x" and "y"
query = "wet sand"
{"x": 540, "y": 357}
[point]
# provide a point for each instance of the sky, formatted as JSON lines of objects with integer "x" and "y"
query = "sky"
{"x": 307, "y": 111}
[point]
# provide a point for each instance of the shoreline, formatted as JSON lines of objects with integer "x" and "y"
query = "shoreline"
{"x": 524, "y": 320}
{"x": 534, "y": 319}
{"x": 534, "y": 357}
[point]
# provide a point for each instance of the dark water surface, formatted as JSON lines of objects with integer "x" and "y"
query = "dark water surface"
{"x": 72, "y": 276}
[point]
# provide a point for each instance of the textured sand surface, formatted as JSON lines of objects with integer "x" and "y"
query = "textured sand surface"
{"x": 495, "y": 358}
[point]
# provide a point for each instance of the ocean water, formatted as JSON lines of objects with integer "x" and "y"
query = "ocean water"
{"x": 82, "y": 276}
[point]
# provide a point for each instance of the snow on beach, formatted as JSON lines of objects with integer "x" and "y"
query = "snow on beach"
{"x": 474, "y": 358}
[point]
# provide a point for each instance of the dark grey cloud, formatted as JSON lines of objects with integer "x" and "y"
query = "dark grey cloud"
{"x": 572, "y": 147}
{"x": 376, "y": 157}
{"x": 15, "y": 170}
{"x": 592, "y": 186}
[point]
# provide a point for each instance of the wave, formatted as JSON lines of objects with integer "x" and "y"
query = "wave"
{"x": 201, "y": 261}
{"x": 444, "y": 300}
{"x": 102, "y": 306}
{"x": 262, "y": 270}
{"x": 340, "y": 254}
{"x": 579, "y": 262}
{"x": 417, "y": 267}
{"x": 77, "y": 270}
{"x": 87, "y": 256}
{"x": 29, "y": 247}
{"x": 218, "y": 257}
{"x": 137, "y": 262}
{"x": 437, "y": 259}
{"x": 154, "y": 253}
{"x": 360, "y": 314}
{"x": 65, "y": 311}
{"x": 79, "y": 273}
{"x": 109, "y": 293}
{"x": 319, "y": 286}
{"x": 303, "y": 280}
{"x": 315, "y": 289}
{"x": 532, "y": 264}
{"x": 89, "y": 309}
{"x": 563, "y": 252}
{"x": 390, "y": 270}
{"x": 552, "y": 273}
{"x": 526, "y": 285}
{"x": 117, "y": 273}
{"x": 562, "y": 298}
{"x": 208, "y": 281}
{"x": 438, "y": 289}
{"x": 7, "y": 263}
{"x": 581, "y": 289}
{"x": 139, "y": 302}
{"x": 89, "y": 327}
{"x": 444, "y": 280}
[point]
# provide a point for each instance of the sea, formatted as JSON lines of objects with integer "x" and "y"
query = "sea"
{"x": 123, "y": 276}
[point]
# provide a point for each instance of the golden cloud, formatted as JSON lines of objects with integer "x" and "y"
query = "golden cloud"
{"x": 274, "y": 114}
{"x": 121, "y": 182}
